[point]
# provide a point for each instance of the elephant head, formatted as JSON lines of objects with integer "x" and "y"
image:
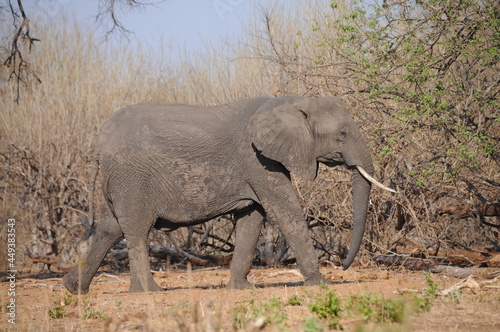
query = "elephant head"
{"x": 299, "y": 132}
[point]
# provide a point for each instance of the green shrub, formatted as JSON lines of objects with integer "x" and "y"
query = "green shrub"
{"x": 312, "y": 325}
{"x": 295, "y": 300}
{"x": 92, "y": 313}
{"x": 378, "y": 309}
{"x": 328, "y": 306}
{"x": 57, "y": 312}
{"x": 424, "y": 302}
{"x": 271, "y": 310}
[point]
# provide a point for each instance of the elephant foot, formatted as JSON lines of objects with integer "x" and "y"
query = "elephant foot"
{"x": 73, "y": 286}
{"x": 317, "y": 280}
{"x": 136, "y": 287}
{"x": 239, "y": 284}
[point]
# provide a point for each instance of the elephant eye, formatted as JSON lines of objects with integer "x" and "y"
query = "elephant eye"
{"x": 343, "y": 134}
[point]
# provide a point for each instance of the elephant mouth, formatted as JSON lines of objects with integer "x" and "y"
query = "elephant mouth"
{"x": 332, "y": 159}
{"x": 332, "y": 163}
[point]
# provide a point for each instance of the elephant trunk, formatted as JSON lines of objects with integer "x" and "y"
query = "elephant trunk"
{"x": 361, "y": 197}
{"x": 358, "y": 155}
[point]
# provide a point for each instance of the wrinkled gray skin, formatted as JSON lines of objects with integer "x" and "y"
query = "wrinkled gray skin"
{"x": 178, "y": 165}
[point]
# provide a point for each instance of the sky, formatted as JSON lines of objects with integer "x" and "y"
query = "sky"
{"x": 185, "y": 25}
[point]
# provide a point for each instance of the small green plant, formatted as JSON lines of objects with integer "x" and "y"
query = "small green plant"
{"x": 328, "y": 306}
{"x": 185, "y": 305}
{"x": 378, "y": 309}
{"x": 456, "y": 296}
{"x": 392, "y": 311}
{"x": 119, "y": 304}
{"x": 295, "y": 300}
{"x": 57, "y": 312}
{"x": 69, "y": 299}
{"x": 312, "y": 325}
{"x": 92, "y": 313}
{"x": 420, "y": 182}
{"x": 385, "y": 151}
{"x": 426, "y": 172}
{"x": 424, "y": 302}
{"x": 271, "y": 310}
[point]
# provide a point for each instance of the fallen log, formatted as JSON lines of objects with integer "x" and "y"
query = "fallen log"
{"x": 463, "y": 272}
{"x": 176, "y": 255}
{"x": 481, "y": 210}
{"x": 51, "y": 261}
{"x": 120, "y": 257}
{"x": 419, "y": 264}
{"x": 195, "y": 259}
{"x": 414, "y": 264}
{"x": 470, "y": 283}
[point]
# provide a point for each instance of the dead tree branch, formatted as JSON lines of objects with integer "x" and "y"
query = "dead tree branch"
{"x": 109, "y": 11}
{"x": 19, "y": 68}
{"x": 480, "y": 210}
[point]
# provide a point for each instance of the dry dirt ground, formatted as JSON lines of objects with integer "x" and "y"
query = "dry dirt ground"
{"x": 198, "y": 301}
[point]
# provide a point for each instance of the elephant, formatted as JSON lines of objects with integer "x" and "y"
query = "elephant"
{"x": 174, "y": 165}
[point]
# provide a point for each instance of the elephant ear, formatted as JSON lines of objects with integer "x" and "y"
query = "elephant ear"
{"x": 283, "y": 133}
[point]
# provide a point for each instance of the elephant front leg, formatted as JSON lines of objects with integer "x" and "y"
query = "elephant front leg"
{"x": 298, "y": 237}
{"x": 248, "y": 225}
{"x": 282, "y": 207}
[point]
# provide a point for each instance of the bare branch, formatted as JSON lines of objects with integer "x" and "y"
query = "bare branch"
{"x": 109, "y": 11}
{"x": 18, "y": 67}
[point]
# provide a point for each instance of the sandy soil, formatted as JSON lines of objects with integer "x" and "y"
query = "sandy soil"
{"x": 198, "y": 300}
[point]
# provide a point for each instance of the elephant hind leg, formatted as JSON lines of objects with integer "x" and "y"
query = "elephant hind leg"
{"x": 141, "y": 279}
{"x": 136, "y": 230}
{"x": 248, "y": 225}
{"x": 107, "y": 233}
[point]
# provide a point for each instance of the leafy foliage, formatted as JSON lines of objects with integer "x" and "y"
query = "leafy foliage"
{"x": 422, "y": 79}
{"x": 312, "y": 325}
{"x": 328, "y": 306}
{"x": 271, "y": 310}
{"x": 378, "y": 309}
{"x": 57, "y": 312}
{"x": 424, "y": 302}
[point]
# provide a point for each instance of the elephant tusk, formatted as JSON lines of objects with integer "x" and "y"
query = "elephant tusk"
{"x": 372, "y": 180}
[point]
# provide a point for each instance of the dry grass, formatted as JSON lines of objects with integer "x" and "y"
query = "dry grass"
{"x": 44, "y": 305}
{"x": 47, "y": 139}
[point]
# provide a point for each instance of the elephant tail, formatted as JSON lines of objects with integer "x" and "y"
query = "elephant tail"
{"x": 93, "y": 177}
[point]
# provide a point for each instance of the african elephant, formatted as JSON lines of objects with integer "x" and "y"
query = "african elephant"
{"x": 178, "y": 165}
